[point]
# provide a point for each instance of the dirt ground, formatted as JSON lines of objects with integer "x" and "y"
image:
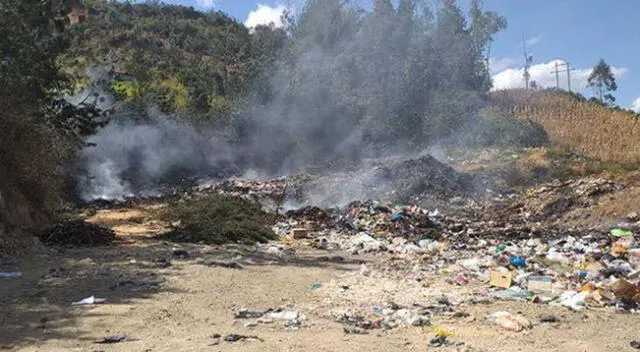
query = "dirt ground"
{"x": 182, "y": 306}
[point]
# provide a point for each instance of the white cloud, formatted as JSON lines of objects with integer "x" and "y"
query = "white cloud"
{"x": 635, "y": 106}
{"x": 534, "y": 40}
{"x": 500, "y": 64}
{"x": 205, "y": 3}
{"x": 265, "y": 15}
{"x": 544, "y": 76}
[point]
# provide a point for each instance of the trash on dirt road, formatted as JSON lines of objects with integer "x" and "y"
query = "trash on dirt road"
{"x": 539, "y": 283}
{"x": 514, "y": 293}
{"x": 299, "y": 233}
{"x": 574, "y": 300}
{"x": 180, "y": 253}
{"x": 246, "y": 313}
{"x": 626, "y": 290}
{"x": 238, "y": 337}
{"x": 113, "y": 339}
{"x": 546, "y": 318}
{"x": 508, "y": 321}
{"x": 518, "y": 262}
{"x": 621, "y": 233}
{"x": 286, "y": 315}
{"x": 89, "y": 301}
{"x": 223, "y": 264}
{"x": 354, "y": 330}
{"x": 10, "y": 274}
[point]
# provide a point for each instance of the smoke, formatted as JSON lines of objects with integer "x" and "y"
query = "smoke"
{"x": 352, "y": 85}
{"x": 130, "y": 157}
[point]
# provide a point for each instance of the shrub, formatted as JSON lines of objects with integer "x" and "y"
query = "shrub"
{"x": 217, "y": 220}
{"x": 496, "y": 127}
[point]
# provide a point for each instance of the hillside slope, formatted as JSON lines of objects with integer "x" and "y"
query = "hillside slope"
{"x": 610, "y": 135}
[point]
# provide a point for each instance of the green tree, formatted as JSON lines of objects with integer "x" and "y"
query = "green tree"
{"x": 603, "y": 81}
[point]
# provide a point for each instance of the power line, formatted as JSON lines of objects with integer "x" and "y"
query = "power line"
{"x": 568, "y": 70}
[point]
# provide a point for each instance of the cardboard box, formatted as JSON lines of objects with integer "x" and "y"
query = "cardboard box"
{"x": 299, "y": 233}
{"x": 500, "y": 279}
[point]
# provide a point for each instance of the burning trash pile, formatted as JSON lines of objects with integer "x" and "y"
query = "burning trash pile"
{"x": 421, "y": 180}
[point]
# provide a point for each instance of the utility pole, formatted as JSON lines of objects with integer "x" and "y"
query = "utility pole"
{"x": 528, "y": 59}
{"x": 557, "y": 76}
{"x": 568, "y": 70}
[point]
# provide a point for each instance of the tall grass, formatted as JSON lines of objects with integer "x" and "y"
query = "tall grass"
{"x": 599, "y": 132}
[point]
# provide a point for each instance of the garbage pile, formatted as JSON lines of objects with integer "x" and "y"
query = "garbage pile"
{"x": 415, "y": 180}
{"x": 77, "y": 233}
{"x": 595, "y": 270}
{"x": 551, "y": 200}
{"x": 484, "y": 255}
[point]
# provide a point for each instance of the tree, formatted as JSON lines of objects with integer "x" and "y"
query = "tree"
{"x": 603, "y": 81}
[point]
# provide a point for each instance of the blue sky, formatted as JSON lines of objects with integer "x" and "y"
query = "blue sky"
{"x": 579, "y": 32}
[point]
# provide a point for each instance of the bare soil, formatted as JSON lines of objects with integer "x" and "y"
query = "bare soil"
{"x": 180, "y": 307}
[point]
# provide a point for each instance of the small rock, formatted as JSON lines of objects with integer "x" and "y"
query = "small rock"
{"x": 112, "y": 339}
{"x": 354, "y": 330}
{"x": 180, "y": 254}
{"x": 218, "y": 263}
{"x": 246, "y": 313}
{"x": 238, "y": 337}
{"x": 548, "y": 319}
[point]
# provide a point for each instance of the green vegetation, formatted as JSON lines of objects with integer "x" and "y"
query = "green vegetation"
{"x": 603, "y": 80}
{"x": 39, "y": 131}
{"x": 217, "y": 220}
{"x": 173, "y": 56}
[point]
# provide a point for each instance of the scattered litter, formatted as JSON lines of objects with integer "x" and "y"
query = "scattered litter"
{"x": 635, "y": 344}
{"x": 514, "y": 293}
{"x": 518, "y": 262}
{"x": 508, "y": 321}
{"x": 180, "y": 254}
{"x": 10, "y": 274}
{"x": 442, "y": 332}
{"x": 246, "y": 313}
{"x": 113, "y": 339}
{"x": 621, "y": 233}
{"x": 299, "y": 233}
{"x": 500, "y": 279}
{"x": 285, "y": 315}
{"x": 574, "y": 300}
{"x": 222, "y": 264}
{"x": 540, "y": 283}
{"x": 626, "y": 290}
{"x": 238, "y": 337}
{"x": 545, "y": 318}
{"x": 354, "y": 330}
{"x": 89, "y": 301}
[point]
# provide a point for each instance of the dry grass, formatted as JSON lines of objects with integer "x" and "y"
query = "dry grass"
{"x": 598, "y": 132}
